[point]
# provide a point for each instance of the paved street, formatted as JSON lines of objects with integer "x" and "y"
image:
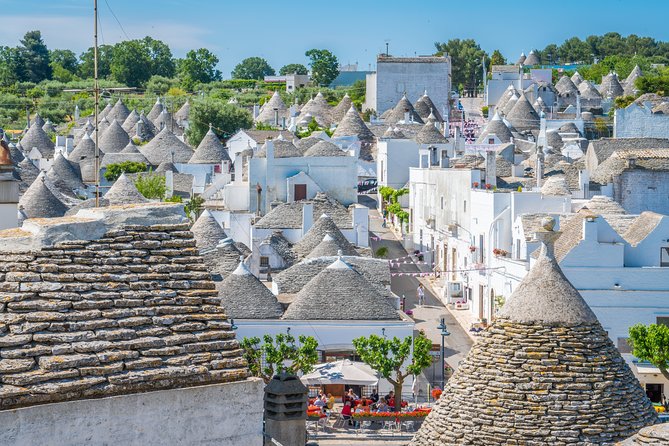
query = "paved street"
{"x": 427, "y": 317}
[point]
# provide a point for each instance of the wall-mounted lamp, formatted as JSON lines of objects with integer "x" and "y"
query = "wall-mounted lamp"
{"x": 232, "y": 324}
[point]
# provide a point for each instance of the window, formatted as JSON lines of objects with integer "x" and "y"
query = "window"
{"x": 442, "y": 202}
{"x": 264, "y": 261}
{"x": 664, "y": 257}
{"x": 465, "y": 206}
{"x": 382, "y": 172}
{"x": 491, "y": 140}
{"x": 481, "y": 250}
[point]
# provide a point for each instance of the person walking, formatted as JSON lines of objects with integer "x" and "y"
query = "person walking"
{"x": 421, "y": 295}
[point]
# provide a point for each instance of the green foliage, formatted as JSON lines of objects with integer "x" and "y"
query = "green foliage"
{"x": 357, "y": 93}
{"x": 11, "y": 67}
{"x": 64, "y": 65}
{"x": 115, "y": 170}
{"x": 386, "y": 192}
{"x": 252, "y": 68}
{"x": 485, "y": 110}
{"x": 199, "y": 66}
{"x": 654, "y": 83}
{"x": 264, "y": 126}
{"x": 225, "y": 118}
{"x": 381, "y": 253}
{"x": 651, "y": 343}
{"x": 387, "y": 356}
{"x": 160, "y": 56}
{"x": 151, "y": 185}
{"x": 35, "y": 57}
{"x": 160, "y": 85}
{"x": 86, "y": 66}
{"x": 131, "y": 63}
{"x": 623, "y": 101}
{"x": 282, "y": 354}
{"x": 174, "y": 199}
{"x": 194, "y": 207}
{"x": 466, "y": 59}
{"x": 311, "y": 128}
{"x": 496, "y": 58}
{"x": 324, "y": 66}
{"x": 293, "y": 68}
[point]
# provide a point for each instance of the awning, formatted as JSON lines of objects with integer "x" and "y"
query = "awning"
{"x": 647, "y": 369}
{"x": 342, "y": 372}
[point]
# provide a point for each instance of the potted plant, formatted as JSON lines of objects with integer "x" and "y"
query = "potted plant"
{"x": 472, "y": 248}
{"x": 475, "y": 184}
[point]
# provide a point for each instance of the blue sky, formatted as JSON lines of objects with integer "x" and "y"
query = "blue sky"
{"x": 354, "y": 30}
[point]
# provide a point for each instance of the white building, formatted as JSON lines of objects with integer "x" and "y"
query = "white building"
{"x": 642, "y": 120}
{"x": 410, "y": 76}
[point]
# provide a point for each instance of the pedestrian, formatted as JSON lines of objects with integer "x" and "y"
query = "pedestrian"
{"x": 421, "y": 295}
{"x": 384, "y": 224}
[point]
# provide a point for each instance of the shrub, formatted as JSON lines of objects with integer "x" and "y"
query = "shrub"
{"x": 152, "y": 185}
{"x": 115, "y": 170}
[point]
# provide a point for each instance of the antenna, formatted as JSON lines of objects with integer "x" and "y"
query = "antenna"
{"x": 387, "y": 44}
{"x": 96, "y": 89}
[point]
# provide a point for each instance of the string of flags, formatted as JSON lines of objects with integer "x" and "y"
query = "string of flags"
{"x": 429, "y": 273}
{"x": 408, "y": 262}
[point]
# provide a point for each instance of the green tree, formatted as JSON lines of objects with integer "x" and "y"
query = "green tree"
{"x": 152, "y": 185}
{"x": 293, "y": 68}
{"x": 550, "y": 54}
{"x": 225, "y": 118}
{"x": 115, "y": 170}
{"x": 252, "y": 68}
{"x": 131, "y": 63}
{"x": 35, "y": 57}
{"x": 11, "y": 66}
{"x": 466, "y": 59}
{"x": 324, "y": 66}
{"x": 575, "y": 50}
{"x": 281, "y": 354}
{"x": 388, "y": 356}
{"x": 651, "y": 343}
{"x": 159, "y": 85}
{"x": 654, "y": 83}
{"x": 162, "y": 63}
{"x": 105, "y": 55}
{"x": 194, "y": 207}
{"x": 199, "y": 66}
{"x": 64, "y": 65}
{"x": 497, "y": 58}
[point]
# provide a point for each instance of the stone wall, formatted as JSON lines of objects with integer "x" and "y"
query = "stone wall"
{"x": 227, "y": 414}
{"x": 639, "y": 190}
{"x": 639, "y": 122}
{"x": 129, "y": 311}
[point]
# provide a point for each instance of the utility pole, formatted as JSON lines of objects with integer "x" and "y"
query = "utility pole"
{"x": 96, "y": 90}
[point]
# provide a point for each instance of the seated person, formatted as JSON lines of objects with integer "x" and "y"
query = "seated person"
{"x": 374, "y": 396}
{"x": 346, "y": 411}
{"x": 351, "y": 394}
{"x": 330, "y": 401}
{"x": 320, "y": 402}
{"x": 383, "y": 406}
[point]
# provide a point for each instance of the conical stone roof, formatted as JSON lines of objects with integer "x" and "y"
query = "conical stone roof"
{"x": 147, "y": 129}
{"x": 531, "y": 60}
{"x": 28, "y": 173}
{"x": 119, "y": 112}
{"x": 353, "y": 125}
{"x": 105, "y": 111}
{"x": 513, "y": 100}
{"x": 339, "y": 292}
{"x": 114, "y": 139}
{"x": 131, "y": 121}
{"x": 424, "y": 107}
{"x": 38, "y": 120}
{"x": 319, "y": 109}
{"x": 165, "y": 146}
{"x": 267, "y": 110}
{"x": 610, "y": 86}
{"x": 544, "y": 373}
{"x": 87, "y": 129}
{"x": 324, "y": 148}
{"x": 497, "y": 127}
{"x": 183, "y": 113}
{"x": 84, "y": 155}
{"x": 130, "y": 148}
{"x": 49, "y": 127}
{"x": 566, "y": 85}
{"x": 207, "y": 232}
{"x": 314, "y": 236}
{"x": 576, "y": 78}
{"x": 39, "y": 202}
{"x": 328, "y": 247}
{"x": 393, "y": 133}
{"x": 340, "y": 110}
{"x": 155, "y": 111}
{"x": 630, "y": 87}
{"x": 36, "y": 137}
{"x": 123, "y": 191}
{"x": 521, "y": 59}
{"x": 588, "y": 91}
{"x": 555, "y": 185}
{"x": 210, "y": 150}
{"x": 398, "y": 112}
{"x": 243, "y": 296}
{"x": 64, "y": 175}
{"x": 506, "y": 96}
{"x": 523, "y": 116}
{"x": 430, "y": 135}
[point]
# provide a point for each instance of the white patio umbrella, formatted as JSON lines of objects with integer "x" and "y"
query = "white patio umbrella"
{"x": 341, "y": 372}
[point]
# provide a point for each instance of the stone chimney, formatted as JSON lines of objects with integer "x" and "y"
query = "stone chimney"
{"x": 285, "y": 410}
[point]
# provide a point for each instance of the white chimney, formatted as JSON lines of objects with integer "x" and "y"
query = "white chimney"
{"x": 307, "y": 217}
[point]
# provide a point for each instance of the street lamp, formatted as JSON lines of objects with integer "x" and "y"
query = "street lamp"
{"x": 444, "y": 332}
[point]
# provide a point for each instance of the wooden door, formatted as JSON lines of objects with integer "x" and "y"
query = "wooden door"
{"x": 300, "y": 192}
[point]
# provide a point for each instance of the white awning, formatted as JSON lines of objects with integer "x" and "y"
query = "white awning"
{"x": 342, "y": 372}
{"x": 647, "y": 369}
